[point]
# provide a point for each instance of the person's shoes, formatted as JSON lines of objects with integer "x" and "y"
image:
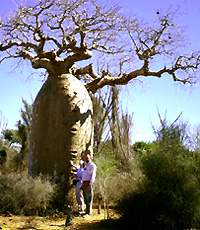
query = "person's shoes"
{"x": 80, "y": 212}
{"x": 80, "y": 209}
{"x": 86, "y": 215}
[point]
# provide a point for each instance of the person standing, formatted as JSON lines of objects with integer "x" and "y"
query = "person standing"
{"x": 88, "y": 177}
{"x": 78, "y": 185}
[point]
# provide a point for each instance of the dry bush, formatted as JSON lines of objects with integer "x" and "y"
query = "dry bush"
{"x": 25, "y": 195}
{"x": 112, "y": 183}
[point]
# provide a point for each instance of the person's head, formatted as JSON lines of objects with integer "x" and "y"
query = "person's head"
{"x": 88, "y": 158}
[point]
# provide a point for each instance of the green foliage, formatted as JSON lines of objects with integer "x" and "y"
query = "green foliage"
{"x": 169, "y": 192}
{"x": 3, "y": 157}
{"x": 25, "y": 195}
{"x": 26, "y": 114}
{"x": 21, "y": 159}
{"x": 112, "y": 182}
{"x": 141, "y": 147}
{"x": 11, "y": 136}
{"x": 20, "y": 139}
{"x": 106, "y": 165}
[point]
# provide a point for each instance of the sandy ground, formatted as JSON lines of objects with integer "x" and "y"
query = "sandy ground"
{"x": 45, "y": 223}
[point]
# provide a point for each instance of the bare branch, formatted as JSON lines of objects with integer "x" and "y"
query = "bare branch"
{"x": 98, "y": 83}
{"x": 79, "y": 54}
{"x": 26, "y": 55}
{"x": 19, "y": 44}
{"x": 87, "y": 70}
{"x": 56, "y": 34}
{"x": 182, "y": 63}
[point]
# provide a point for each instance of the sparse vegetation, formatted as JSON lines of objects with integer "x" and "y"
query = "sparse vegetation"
{"x": 25, "y": 195}
{"x": 169, "y": 193}
{"x": 155, "y": 185}
{"x": 112, "y": 183}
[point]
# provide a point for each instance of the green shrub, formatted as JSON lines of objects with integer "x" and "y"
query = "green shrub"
{"x": 170, "y": 201}
{"x": 169, "y": 192}
{"x": 111, "y": 183}
{"x": 25, "y": 195}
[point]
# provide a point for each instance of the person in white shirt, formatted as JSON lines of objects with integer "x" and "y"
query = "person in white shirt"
{"x": 88, "y": 178}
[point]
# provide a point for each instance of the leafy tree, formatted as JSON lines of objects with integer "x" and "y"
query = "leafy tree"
{"x": 20, "y": 160}
{"x": 24, "y": 127}
{"x": 172, "y": 135}
{"x": 26, "y": 114}
{"x": 57, "y": 34}
{"x": 20, "y": 137}
{"x": 11, "y": 136}
{"x": 141, "y": 147}
{"x": 195, "y": 139}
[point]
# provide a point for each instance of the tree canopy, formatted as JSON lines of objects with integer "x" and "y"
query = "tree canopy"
{"x": 57, "y": 34}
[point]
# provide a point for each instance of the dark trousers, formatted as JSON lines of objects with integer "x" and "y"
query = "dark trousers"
{"x": 88, "y": 198}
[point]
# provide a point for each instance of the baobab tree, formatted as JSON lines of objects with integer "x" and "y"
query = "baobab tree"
{"x": 58, "y": 36}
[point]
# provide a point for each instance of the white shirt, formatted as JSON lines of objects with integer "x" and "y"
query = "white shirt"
{"x": 89, "y": 172}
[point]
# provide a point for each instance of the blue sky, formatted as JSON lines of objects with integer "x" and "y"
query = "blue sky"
{"x": 169, "y": 97}
{"x": 141, "y": 99}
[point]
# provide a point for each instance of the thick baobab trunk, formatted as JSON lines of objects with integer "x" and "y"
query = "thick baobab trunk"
{"x": 62, "y": 128}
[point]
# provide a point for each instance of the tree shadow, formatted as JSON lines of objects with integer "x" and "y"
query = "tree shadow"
{"x": 111, "y": 224}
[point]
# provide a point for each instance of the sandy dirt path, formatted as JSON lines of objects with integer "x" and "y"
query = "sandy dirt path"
{"x": 46, "y": 223}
